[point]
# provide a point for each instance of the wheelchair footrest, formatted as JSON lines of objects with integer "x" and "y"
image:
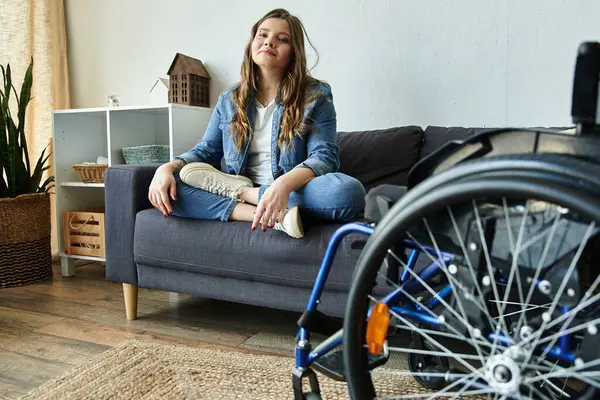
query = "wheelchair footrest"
{"x": 332, "y": 364}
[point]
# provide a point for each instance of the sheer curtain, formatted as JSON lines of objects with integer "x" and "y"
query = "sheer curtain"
{"x": 36, "y": 29}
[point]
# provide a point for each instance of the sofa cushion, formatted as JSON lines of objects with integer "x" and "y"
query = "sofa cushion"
{"x": 230, "y": 249}
{"x": 380, "y": 156}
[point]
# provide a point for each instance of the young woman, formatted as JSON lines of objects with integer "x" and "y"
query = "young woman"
{"x": 276, "y": 132}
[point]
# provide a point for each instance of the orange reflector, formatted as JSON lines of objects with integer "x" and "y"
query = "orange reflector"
{"x": 377, "y": 328}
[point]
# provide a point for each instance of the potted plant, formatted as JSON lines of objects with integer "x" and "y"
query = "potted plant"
{"x": 25, "y": 233}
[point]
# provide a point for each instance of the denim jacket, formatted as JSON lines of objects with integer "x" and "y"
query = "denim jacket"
{"x": 316, "y": 149}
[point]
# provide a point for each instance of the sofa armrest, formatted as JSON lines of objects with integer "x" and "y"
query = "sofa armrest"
{"x": 125, "y": 194}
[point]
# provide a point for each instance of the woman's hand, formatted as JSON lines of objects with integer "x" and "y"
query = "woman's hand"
{"x": 163, "y": 184}
{"x": 272, "y": 206}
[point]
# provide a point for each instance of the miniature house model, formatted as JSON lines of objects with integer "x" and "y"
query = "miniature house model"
{"x": 159, "y": 93}
{"x": 188, "y": 82}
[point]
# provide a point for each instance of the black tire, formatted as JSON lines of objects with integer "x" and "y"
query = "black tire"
{"x": 312, "y": 396}
{"x": 435, "y": 361}
{"x": 534, "y": 177}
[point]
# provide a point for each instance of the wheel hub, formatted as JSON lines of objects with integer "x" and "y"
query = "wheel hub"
{"x": 503, "y": 374}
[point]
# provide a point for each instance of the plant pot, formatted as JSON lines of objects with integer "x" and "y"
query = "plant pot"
{"x": 25, "y": 241}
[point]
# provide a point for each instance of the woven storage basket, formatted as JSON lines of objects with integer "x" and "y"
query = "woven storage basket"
{"x": 91, "y": 173}
{"x": 150, "y": 154}
{"x": 25, "y": 252}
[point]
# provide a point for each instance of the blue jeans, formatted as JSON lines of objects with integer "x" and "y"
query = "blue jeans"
{"x": 335, "y": 196}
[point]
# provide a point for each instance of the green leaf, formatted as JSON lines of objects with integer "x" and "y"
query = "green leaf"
{"x": 21, "y": 176}
{"x": 43, "y": 187}
{"x": 22, "y": 105}
{"x": 14, "y": 156}
{"x": 3, "y": 187}
{"x": 39, "y": 169}
{"x": 3, "y": 138}
{"x": 7, "y": 85}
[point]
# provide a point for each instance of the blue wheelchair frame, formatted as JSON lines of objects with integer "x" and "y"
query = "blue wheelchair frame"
{"x": 584, "y": 111}
{"x": 305, "y": 355}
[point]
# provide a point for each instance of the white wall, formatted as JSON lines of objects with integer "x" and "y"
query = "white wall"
{"x": 393, "y": 62}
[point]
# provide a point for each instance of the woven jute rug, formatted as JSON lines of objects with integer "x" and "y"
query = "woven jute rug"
{"x": 154, "y": 370}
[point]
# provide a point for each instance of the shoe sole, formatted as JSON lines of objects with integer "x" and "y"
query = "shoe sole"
{"x": 209, "y": 169}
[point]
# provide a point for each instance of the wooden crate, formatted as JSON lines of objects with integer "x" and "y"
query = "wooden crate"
{"x": 84, "y": 233}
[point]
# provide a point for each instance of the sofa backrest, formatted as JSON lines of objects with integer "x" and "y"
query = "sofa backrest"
{"x": 386, "y": 156}
{"x": 380, "y": 156}
{"x": 436, "y": 136}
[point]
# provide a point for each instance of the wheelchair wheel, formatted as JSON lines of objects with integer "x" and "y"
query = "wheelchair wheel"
{"x": 519, "y": 314}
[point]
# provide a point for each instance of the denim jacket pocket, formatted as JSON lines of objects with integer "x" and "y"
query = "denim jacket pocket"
{"x": 230, "y": 151}
{"x": 294, "y": 154}
{"x": 286, "y": 159}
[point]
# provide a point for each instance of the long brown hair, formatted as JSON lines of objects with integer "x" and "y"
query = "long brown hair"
{"x": 293, "y": 91}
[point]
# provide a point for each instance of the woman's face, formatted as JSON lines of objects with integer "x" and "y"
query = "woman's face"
{"x": 272, "y": 45}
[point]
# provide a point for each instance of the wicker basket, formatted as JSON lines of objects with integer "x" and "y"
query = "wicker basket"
{"x": 25, "y": 244}
{"x": 150, "y": 154}
{"x": 91, "y": 173}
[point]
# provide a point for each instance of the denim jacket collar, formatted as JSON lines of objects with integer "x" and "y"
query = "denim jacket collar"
{"x": 317, "y": 151}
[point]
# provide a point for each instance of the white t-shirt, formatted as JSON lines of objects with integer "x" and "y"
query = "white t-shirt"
{"x": 259, "y": 157}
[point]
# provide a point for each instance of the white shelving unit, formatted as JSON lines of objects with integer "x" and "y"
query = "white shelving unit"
{"x": 85, "y": 134}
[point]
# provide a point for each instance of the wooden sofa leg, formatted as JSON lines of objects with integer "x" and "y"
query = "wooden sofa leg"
{"x": 130, "y": 292}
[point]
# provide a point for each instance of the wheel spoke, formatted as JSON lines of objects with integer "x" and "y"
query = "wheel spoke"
{"x": 528, "y": 309}
{"x": 501, "y": 323}
{"x": 465, "y": 388}
{"x": 432, "y": 353}
{"x": 538, "y": 269}
{"x": 559, "y": 293}
{"x": 572, "y": 316}
{"x": 435, "y": 342}
{"x": 449, "y": 335}
{"x": 467, "y": 378}
{"x": 469, "y": 264}
{"x": 436, "y": 395}
{"x": 434, "y": 293}
{"x": 423, "y": 374}
{"x": 558, "y": 390}
{"x": 450, "y": 278}
{"x": 515, "y": 263}
{"x": 453, "y": 286}
{"x": 566, "y": 315}
{"x": 572, "y": 372}
{"x": 443, "y": 392}
{"x": 456, "y": 335}
{"x": 580, "y": 377}
{"x": 536, "y": 391}
{"x": 556, "y": 336}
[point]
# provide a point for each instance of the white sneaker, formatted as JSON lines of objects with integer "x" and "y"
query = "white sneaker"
{"x": 291, "y": 224}
{"x": 206, "y": 177}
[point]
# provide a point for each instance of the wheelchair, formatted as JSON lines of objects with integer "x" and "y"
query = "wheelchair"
{"x": 483, "y": 276}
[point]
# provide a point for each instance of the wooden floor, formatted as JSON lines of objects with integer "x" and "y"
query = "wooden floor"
{"x": 50, "y": 327}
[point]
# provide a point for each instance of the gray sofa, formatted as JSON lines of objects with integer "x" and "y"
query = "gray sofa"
{"x": 227, "y": 261}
